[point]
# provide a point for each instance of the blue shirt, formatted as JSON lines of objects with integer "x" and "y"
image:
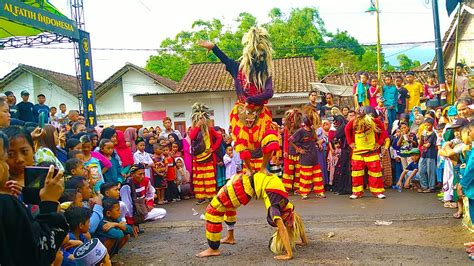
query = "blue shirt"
{"x": 467, "y": 180}
{"x": 26, "y": 111}
{"x": 412, "y": 166}
{"x": 40, "y": 108}
{"x": 390, "y": 93}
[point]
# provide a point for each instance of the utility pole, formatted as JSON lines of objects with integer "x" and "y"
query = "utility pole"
{"x": 379, "y": 59}
{"x": 438, "y": 45}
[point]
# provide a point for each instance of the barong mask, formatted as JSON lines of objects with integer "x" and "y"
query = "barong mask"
{"x": 248, "y": 115}
{"x": 200, "y": 114}
{"x": 256, "y": 62}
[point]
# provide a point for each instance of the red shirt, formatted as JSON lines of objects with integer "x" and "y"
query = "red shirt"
{"x": 171, "y": 174}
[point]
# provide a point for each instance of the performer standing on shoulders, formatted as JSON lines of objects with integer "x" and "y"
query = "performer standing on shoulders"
{"x": 251, "y": 121}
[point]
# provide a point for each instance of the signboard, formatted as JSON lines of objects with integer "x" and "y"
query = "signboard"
{"x": 87, "y": 79}
{"x": 21, "y": 13}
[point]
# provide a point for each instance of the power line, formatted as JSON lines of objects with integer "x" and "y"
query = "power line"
{"x": 276, "y": 48}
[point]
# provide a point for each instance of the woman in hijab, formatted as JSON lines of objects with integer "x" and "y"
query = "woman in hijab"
{"x": 130, "y": 135}
{"x": 187, "y": 154}
{"x": 109, "y": 133}
{"x": 143, "y": 133}
{"x": 124, "y": 152}
{"x": 342, "y": 183}
{"x": 173, "y": 138}
{"x": 149, "y": 142}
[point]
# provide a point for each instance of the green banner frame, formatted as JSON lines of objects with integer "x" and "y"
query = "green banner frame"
{"x": 18, "y": 12}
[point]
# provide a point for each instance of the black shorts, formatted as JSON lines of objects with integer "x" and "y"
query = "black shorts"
{"x": 159, "y": 181}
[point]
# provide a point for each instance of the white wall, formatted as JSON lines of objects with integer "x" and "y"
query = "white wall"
{"x": 36, "y": 85}
{"x": 112, "y": 102}
{"x": 133, "y": 83}
{"x": 221, "y": 103}
{"x": 119, "y": 99}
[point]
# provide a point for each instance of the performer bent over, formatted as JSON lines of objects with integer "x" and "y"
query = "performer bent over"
{"x": 291, "y": 161}
{"x": 250, "y": 119}
{"x": 238, "y": 191}
{"x": 366, "y": 135}
{"x": 204, "y": 142}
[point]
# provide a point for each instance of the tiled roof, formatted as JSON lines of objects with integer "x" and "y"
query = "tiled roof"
{"x": 290, "y": 75}
{"x": 67, "y": 82}
{"x": 350, "y": 79}
{"x": 112, "y": 80}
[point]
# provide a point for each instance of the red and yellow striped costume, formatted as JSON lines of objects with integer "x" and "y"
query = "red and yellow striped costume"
{"x": 204, "y": 164}
{"x": 238, "y": 191}
{"x": 260, "y": 135}
{"x": 291, "y": 165}
{"x": 365, "y": 155}
{"x": 311, "y": 176}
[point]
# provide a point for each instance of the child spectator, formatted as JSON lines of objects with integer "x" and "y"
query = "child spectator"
{"x": 93, "y": 164}
{"x": 374, "y": 92}
{"x": 432, "y": 92}
{"x": 390, "y": 94}
{"x": 230, "y": 162}
{"x": 360, "y": 90}
{"x": 415, "y": 90}
{"x": 427, "y": 166}
{"x": 149, "y": 142}
{"x": 142, "y": 157}
{"x": 76, "y": 155}
{"x": 53, "y": 119}
{"x": 113, "y": 232}
{"x": 183, "y": 178}
{"x": 114, "y": 173}
{"x": 382, "y": 112}
{"x": 402, "y": 95}
{"x": 78, "y": 219}
{"x": 82, "y": 185}
{"x": 92, "y": 252}
{"x": 111, "y": 190}
{"x": 175, "y": 152}
{"x": 171, "y": 192}
{"x": 159, "y": 173}
{"x": 410, "y": 173}
{"x": 74, "y": 167}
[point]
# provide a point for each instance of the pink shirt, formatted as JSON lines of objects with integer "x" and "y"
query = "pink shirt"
{"x": 373, "y": 96}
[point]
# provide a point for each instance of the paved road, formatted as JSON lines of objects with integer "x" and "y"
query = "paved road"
{"x": 422, "y": 232}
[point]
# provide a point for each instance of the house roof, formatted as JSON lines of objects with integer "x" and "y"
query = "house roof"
{"x": 350, "y": 79}
{"x": 67, "y": 82}
{"x": 116, "y": 77}
{"x": 290, "y": 75}
{"x": 448, "y": 42}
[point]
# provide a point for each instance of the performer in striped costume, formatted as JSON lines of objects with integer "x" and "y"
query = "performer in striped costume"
{"x": 304, "y": 142}
{"x": 280, "y": 213}
{"x": 204, "y": 142}
{"x": 291, "y": 159}
{"x": 250, "y": 120}
{"x": 366, "y": 135}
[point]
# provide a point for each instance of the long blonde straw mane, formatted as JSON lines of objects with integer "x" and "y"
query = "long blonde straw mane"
{"x": 256, "y": 62}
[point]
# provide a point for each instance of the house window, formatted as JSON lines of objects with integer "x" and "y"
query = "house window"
{"x": 179, "y": 115}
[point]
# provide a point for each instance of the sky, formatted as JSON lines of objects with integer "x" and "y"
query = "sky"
{"x": 143, "y": 24}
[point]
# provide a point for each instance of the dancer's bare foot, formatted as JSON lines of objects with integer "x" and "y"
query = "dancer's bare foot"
{"x": 283, "y": 257}
{"x": 228, "y": 240}
{"x": 208, "y": 253}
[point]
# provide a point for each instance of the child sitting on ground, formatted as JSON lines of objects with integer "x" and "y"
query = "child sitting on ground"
{"x": 183, "y": 179}
{"x": 111, "y": 190}
{"x": 78, "y": 219}
{"x": 410, "y": 175}
{"x": 113, "y": 232}
{"x": 159, "y": 173}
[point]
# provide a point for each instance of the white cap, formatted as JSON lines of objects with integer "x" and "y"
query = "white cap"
{"x": 90, "y": 253}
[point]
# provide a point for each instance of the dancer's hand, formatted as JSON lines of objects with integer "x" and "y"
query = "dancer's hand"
{"x": 206, "y": 44}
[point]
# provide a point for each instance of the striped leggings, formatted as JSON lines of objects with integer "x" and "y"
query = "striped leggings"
{"x": 291, "y": 173}
{"x": 311, "y": 176}
{"x": 204, "y": 180}
{"x": 372, "y": 161}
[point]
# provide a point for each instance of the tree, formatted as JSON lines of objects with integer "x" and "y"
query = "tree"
{"x": 368, "y": 61}
{"x": 343, "y": 40}
{"x": 330, "y": 62}
{"x": 406, "y": 63}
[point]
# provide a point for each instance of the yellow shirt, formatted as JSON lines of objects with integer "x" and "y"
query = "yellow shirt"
{"x": 415, "y": 90}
